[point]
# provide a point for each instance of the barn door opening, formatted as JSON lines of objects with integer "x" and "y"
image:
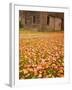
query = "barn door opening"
{"x": 34, "y": 19}
{"x": 48, "y": 20}
{"x": 62, "y": 24}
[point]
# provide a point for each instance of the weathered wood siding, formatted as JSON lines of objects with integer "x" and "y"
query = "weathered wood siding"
{"x": 58, "y": 24}
{"x": 52, "y": 23}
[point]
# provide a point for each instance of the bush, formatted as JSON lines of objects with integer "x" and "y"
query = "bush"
{"x": 20, "y": 24}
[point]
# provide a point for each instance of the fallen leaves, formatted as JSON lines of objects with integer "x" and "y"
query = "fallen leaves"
{"x": 41, "y": 56}
{"x": 25, "y": 71}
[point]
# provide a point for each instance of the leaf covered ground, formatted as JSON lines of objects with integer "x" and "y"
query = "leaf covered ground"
{"x": 41, "y": 55}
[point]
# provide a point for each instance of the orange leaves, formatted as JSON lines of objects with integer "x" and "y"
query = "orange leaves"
{"x": 35, "y": 72}
{"x": 41, "y": 56}
{"x": 39, "y": 67}
{"x": 40, "y": 75}
{"x": 30, "y": 69}
{"x": 25, "y": 71}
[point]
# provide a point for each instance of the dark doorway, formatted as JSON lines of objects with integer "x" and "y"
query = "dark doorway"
{"x": 48, "y": 19}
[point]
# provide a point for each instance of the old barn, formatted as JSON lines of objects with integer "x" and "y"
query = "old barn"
{"x": 36, "y": 20}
